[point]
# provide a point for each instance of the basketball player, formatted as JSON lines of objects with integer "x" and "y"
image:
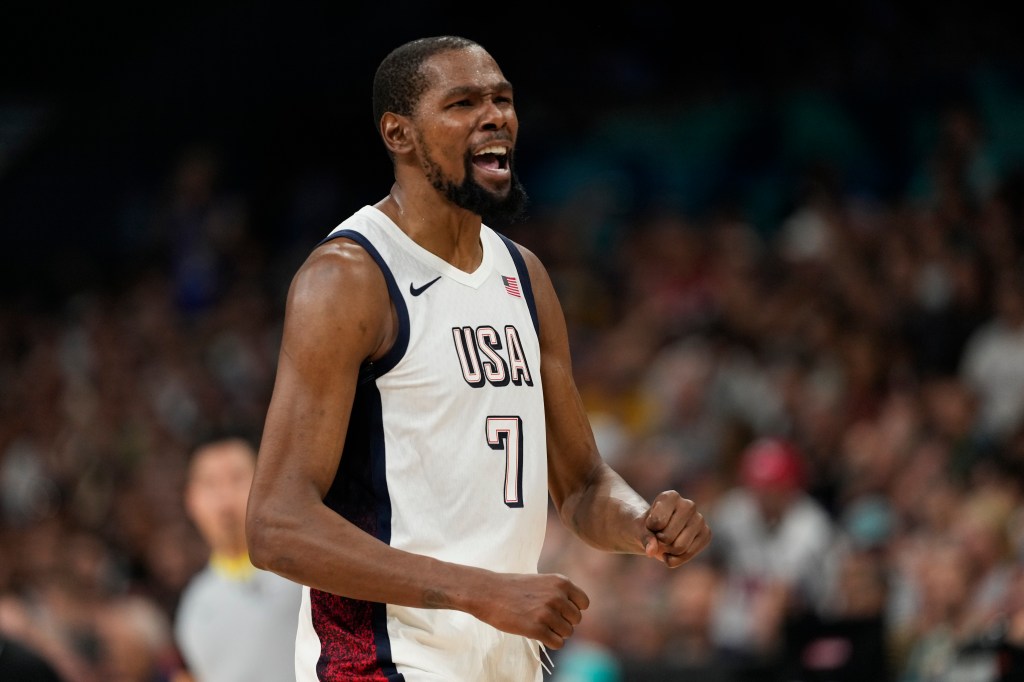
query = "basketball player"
{"x": 424, "y": 409}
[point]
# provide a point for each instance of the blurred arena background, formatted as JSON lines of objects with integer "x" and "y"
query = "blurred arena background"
{"x": 804, "y": 223}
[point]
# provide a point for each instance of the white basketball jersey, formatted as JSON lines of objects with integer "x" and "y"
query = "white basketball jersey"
{"x": 445, "y": 457}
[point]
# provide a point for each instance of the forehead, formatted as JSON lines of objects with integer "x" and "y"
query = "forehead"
{"x": 221, "y": 459}
{"x": 470, "y": 68}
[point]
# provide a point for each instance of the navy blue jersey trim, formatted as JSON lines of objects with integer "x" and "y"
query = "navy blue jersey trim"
{"x": 524, "y": 279}
{"x": 383, "y": 642}
{"x": 397, "y": 351}
{"x": 360, "y": 494}
{"x": 379, "y": 480}
{"x": 365, "y": 454}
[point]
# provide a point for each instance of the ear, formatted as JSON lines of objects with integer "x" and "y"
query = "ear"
{"x": 395, "y": 130}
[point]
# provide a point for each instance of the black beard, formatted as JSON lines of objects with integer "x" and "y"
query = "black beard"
{"x": 495, "y": 211}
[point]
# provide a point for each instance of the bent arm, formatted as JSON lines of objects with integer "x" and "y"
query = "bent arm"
{"x": 592, "y": 499}
{"x": 338, "y": 315}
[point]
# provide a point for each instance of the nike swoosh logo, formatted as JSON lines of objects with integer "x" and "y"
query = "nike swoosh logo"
{"x": 416, "y": 291}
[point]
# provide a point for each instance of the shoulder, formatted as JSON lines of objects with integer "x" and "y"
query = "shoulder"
{"x": 196, "y": 588}
{"x": 530, "y": 259}
{"x": 334, "y": 261}
{"x": 985, "y": 337}
{"x": 341, "y": 259}
{"x": 539, "y": 279}
{"x": 810, "y": 512}
{"x": 551, "y": 320}
{"x": 196, "y": 600}
{"x": 338, "y": 299}
{"x": 339, "y": 267}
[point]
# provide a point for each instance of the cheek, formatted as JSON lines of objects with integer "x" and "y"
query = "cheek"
{"x": 445, "y": 145}
{"x": 447, "y": 159}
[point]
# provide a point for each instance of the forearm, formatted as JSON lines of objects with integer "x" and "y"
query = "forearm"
{"x": 339, "y": 558}
{"x": 606, "y": 513}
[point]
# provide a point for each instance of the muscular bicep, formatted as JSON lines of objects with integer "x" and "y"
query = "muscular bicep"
{"x": 337, "y": 316}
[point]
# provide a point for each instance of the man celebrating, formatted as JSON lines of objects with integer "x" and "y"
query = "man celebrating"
{"x": 424, "y": 409}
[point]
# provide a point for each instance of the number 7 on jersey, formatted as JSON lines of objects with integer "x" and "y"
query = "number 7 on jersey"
{"x": 506, "y": 433}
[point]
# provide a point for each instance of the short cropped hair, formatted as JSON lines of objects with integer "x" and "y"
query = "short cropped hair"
{"x": 399, "y": 81}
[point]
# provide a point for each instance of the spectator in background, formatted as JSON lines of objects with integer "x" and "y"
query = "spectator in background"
{"x": 692, "y": 597}
{"x": 137, "y": 644}
{"x": 981, "y": 527}
{"x": 235, "y": 623}
{"x": 772, "y": 538}
{"x": 993, "y": 361}
{"x": 936, "y": 651}
{"x": 1011, "y": 644}
{"x": 845, "y": 638}
{"x": 72, "y": 604}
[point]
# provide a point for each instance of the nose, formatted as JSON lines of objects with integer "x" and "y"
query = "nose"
{"x": 496, "y": 115}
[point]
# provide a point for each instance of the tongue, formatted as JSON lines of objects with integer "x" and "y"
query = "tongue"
{"x": 488, "y": 161}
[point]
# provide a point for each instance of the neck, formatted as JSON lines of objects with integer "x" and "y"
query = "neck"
{"x": 232, "y": 566}
{"x": 445, "y": 230}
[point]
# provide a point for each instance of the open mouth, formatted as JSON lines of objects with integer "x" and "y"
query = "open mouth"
{"x": 493, "y": 158}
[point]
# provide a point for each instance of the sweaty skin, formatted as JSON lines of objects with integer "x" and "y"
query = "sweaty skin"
{"x": 466, "y": 108}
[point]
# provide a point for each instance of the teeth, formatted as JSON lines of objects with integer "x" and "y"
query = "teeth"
{"x": 494, "y": 149}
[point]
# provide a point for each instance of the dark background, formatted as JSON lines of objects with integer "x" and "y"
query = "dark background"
{"x": 98, "y": 101}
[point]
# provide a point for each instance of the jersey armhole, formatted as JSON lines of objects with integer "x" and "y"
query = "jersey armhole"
{"x": 524, "y": 278}
{"x": 397, "y": 350}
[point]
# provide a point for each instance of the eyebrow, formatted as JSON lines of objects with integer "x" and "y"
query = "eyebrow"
{"x": 461, "y": 90}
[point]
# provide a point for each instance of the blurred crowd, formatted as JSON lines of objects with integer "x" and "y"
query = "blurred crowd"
{"x": 841, "y": 392}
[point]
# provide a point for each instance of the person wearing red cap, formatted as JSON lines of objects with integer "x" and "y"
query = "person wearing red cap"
{"x": 772, "y": 469}
{"x": 772, "y": 539}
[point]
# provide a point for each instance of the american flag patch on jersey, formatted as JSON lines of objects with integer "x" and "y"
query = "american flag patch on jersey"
{"x": 511, "y": 286}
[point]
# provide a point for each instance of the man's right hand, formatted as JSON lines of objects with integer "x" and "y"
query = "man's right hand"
{"x": 545, "y": 607}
